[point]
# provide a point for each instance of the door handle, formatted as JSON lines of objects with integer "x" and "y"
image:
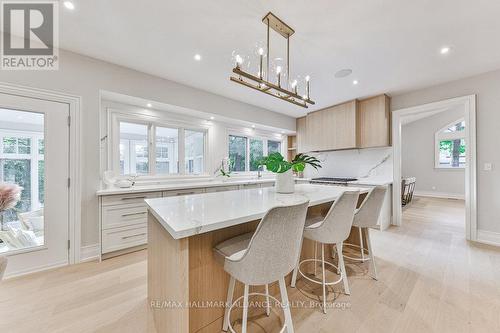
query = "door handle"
{"x": 134, "y": 198}
{"x": 131, "y": 214}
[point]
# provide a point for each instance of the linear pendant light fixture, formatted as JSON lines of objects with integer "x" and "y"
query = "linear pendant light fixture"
{"x": 263, "y": 82}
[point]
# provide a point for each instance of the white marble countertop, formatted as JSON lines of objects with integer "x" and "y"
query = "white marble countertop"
{"x": 179, "y": 185}
{"x": 373, "y": 181}
{"x": 185, "y": 216}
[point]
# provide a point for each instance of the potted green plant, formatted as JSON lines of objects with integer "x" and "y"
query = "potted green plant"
{"x": 284, "y": 169}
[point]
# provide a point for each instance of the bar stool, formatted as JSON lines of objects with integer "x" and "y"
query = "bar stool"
{"x": 263, "y": 257}
{"x": 333, "y": 229}
{"x": 367, "y": 217}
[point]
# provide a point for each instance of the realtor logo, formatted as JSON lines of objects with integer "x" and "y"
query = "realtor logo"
{"x": 29, "y": 35}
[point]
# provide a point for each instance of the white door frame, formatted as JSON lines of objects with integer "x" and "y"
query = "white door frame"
{"x": 469, "y": 104}
{"x": 74, "y": 103}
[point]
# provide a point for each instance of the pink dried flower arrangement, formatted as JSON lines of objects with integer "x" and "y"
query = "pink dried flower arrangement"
{"x": 10, "y": 194}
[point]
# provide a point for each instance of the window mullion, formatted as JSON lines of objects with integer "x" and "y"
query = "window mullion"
{"x": 152, "y": 149}
{"x": 247, "y": 159}
{"x": 34, "y": 176}
{"x": 182, "y": 152}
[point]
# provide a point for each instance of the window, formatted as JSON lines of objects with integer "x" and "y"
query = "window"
{"x": 167, "y": 150}
{"x": 273, "y": 146}
{"x": 450, "y": 149}
{"x": 22, "y": 160}
{"x": 134, "y": 152}
{"x": 237, "y": 152}
{"x": 246, "y": 152}
{"x": 155, "y": 149}
{"x": 194, "y": 148}
{"x": 256, "y": 153}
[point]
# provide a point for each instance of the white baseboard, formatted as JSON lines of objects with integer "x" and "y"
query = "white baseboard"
{"x": 488, "y": 237}
{"x": 90, "y": 252}
{"x": 439, "y": 195}
{"x": 31, "y": 270}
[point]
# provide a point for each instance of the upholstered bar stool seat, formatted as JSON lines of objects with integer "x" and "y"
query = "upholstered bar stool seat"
{"x": 233, "y": 248}
{"x": 264, "y": 257}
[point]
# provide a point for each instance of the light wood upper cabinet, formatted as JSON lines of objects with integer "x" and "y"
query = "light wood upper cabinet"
{"x": 332, "y": 128}
{"x": 301, "y": 135}
{"x": 374, "y": 123}
{"x": 354, "y": 124}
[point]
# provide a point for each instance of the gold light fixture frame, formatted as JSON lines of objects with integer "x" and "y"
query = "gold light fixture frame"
{"x": 265, "y": 86}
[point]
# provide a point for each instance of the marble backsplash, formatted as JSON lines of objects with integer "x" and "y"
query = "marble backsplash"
{"x": 356, "y": 163}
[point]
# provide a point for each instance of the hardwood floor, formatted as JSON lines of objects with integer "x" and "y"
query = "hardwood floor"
{"x": 430, "y": 280}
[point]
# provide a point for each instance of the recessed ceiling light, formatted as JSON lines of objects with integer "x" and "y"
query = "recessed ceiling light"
{"x": 282, "y": 132}
{"x": 149, "y": 105}
{"x": 212, "y": 118}
{"x": 355, "y": 82}
{"x": 253, "y": 126}
{"x": 343, "y": 73}
{"x": 445, "y": 50}
{"x": 69, "y": 5}
{"x": 197, "y": 57}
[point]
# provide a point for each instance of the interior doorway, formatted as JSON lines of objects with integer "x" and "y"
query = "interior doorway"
{"x": 447, "y": 167}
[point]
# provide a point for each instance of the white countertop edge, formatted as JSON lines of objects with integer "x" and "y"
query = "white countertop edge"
{"x": 181, "y": 186}
{"x": 185, "y": 233}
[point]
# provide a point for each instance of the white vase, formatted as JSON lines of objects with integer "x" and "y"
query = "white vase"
{"x": 285, "y": 182}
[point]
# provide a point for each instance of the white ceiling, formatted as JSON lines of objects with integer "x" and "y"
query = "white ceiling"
{"x": 391, "y": 45}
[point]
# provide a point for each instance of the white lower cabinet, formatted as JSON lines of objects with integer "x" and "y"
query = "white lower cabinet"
{"x": 248, "y": 186}
{"x": 124, "y": 217}
{"x": 124, "y": 237}
{"x": 183, "y": 192}
{"x": 222, "y": 188}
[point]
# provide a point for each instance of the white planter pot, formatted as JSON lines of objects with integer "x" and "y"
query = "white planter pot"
{"x": 285, "y": 182}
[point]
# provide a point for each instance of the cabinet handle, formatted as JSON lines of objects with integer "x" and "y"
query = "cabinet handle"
{"x": 133, "y": 198}
{"x": 131, "y": 214}
{"x": 131, "y": 236}
{"x": 185, "y": 193}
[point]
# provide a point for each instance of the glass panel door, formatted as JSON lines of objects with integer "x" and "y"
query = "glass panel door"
{"x": 34, "y": 191}
{"x": 22, "y": 180}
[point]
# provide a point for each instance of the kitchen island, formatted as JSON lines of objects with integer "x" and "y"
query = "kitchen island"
{"x": 186, "y": 286}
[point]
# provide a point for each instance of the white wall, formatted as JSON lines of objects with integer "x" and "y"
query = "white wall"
{"x": 487, "y": 88}
{"x": 84, "y": 76}
{"x": 417, "y": 156}
{"x": 354, "y": 163}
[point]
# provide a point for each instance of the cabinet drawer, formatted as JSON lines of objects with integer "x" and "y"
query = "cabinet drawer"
{"x": 222, "y": 188}
{"x": 123, "y": 215}
{"x": 248, "y": 186}
{"x": 121, "y": 238}
{"x": 129, "y": 198}
{"x": 188, "y": 191}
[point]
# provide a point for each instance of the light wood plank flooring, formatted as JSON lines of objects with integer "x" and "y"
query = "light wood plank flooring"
{"x": 430, "y": 280}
